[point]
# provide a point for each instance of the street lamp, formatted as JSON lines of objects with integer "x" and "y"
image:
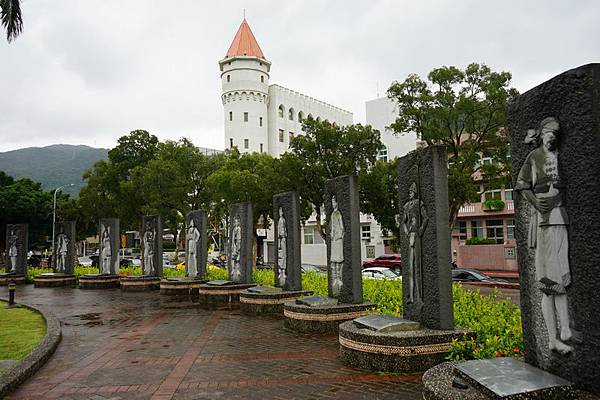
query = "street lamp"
{"x": 54, "y": 218}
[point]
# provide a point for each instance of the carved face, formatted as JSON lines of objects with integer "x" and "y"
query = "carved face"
{"x": 549, "y": 134}
{"x": 334, "y": 203}
{"x": 280, "y": 212}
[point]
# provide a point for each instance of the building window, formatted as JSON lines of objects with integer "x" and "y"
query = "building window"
{"x": 228, "y": 78}
{"x": 495, "y": 230}
{"x": 300, "y": 116}
{"x": 259, "y": 121}
{"x": 492, "y": 194}
{"x": 291, "y": 114}
{"x": 245, "y": 117}
{"x": 246, "y": 143}
{"x": 477, "y": 229}
{"x": 262, "y": 79}
{"x": 281, "y": 135}
{"x": 461, "y": 227}
{"x": 365, "y": 232}
{"x": 261, "y": 147}
{"x": 280, "y": 111}
{"x": 508, "y": 191}
{"x": 509, "y": 252}
{"x": 231, "y": 115}
{"x": 486, "y": 161}
{"x": 383, "y": 154}
{"x": 309, "y": 236}
{"x": 231, "y": 143}
{"x": 510, "y": 228}
{"x": 291, "y": 136}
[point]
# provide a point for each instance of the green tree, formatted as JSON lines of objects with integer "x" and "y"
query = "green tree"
{"x": 11, "y": 18}
{"x": 465, "y": 110}
{"x": 326, "y": 151}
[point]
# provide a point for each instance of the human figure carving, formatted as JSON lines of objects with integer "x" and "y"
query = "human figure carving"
{"x": 62, "y": 251}
{"x": 192, "y": 237}
{"x": 149, "y": 241}
{"x": 336, "y": 259}
{"x": 539, "y": 183}
{"x": 282, "y": 248}
{"x": 13, "y": 249}
{"x": 236, "y": 250}
{"x": 106, "y": 250}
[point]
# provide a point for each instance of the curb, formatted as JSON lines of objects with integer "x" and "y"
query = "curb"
{"x": 29, "y": 365}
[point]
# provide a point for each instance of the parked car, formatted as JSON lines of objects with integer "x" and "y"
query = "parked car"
{"x": 126, "y": 262}
{"x": 471, "y": 275}
{"x": 85, "y": 261}
{"x": 380, "y": 273}
{"x": 392, "y": 261}
{"x": 311, "y": 268}
{"x": 34, "y": 260}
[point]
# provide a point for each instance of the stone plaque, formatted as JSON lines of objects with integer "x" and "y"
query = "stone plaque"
{"x": 317, "y": 301}
{"x": 241, "y": 237}
{"x": 16, "y": 248}
{"x": 108, "y": 246}
{"x": 386, "y": 323}
{"x": 286, "y": 214}
{"x": 343, "y": 239}
{"x": 151, "y": 240}
{"x": 425, "y": 238}
{"x": 555, "y": 151}
{"x": 264, "y": 289}
{"x": 196, "y": 245}
{"x": 219, "y": 282}
{"x": 64, "y": 248}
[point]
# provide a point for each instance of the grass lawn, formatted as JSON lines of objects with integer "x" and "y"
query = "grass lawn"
{"x": 21, "y": 330}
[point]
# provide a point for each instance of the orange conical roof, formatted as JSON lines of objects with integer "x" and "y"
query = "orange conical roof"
{"x": 244, "y": 43}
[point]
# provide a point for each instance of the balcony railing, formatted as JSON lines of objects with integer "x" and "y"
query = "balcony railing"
{"x": 477, "y": 209}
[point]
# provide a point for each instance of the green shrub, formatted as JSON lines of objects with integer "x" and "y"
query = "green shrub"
{"x": 32, "y": 272}
{"x": 493, "y": 204}
{"x": 169, "y": 245}
{"x": 478, "y": 240}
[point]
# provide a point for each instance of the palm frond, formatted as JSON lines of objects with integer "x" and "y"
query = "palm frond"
{"x": 11, "y": 18}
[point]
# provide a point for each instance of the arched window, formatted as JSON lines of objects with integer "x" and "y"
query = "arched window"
{"x": 318, "y": 119}
{"x": 281, "y": 111}
{"x": 228, "y": 78}
{"x": 310, "y": 116}
{"x": 262, "y": 79}
{"x": 291, "y": 114}
{"x": 300, "y": 117}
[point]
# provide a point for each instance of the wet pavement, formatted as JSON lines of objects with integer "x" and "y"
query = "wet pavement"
{"x": 144, "y": 346}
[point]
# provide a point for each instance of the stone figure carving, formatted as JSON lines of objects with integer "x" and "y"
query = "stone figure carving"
{"x": 106, "y": 250}
{"x": 13, "y": 249}
{"x": 62, "y": 251}
{"x": 337, "y": 247}
{"x": 149, "y": 240}
{"x": 192, "y": 237}
{"x": 539, "y": 183}
{"x": 236, "y": 249}
{"x": 282, "y": 247}
{"x": 414, "y": 222}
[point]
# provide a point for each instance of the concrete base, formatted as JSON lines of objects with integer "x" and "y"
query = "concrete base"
{"x": 227, "y": 296}
{"x": 442, "y": 383}
{"x": 142, "y": 283}
{"x": 408, "y": 351}
{"x": 54, "y": 280}
{"x": 17, "y": 279}
{"x": 99, "y": 281}
{"x": 321, "y": 319}
{"x": 268, "y": 302}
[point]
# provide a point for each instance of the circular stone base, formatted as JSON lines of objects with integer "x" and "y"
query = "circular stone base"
{"x": 17, "y": 279}
{"x": 221, "y": 296}
{"x": 99, "y": 281}
{"x": 54, "y": 280}
{"x": 268, "y": 303}
{"x": 437, "y": 385}
{"x": 180, "y": 287}
{"x": 325, "y": 319}
{"x": 140, "y": 283}
{"x": 404, "y": 351}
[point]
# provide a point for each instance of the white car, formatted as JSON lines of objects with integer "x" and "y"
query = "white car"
{"x": 380, "y": 273}
{"x": 85, "y": 261}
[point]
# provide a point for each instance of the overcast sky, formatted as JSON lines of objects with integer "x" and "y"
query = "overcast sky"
{"x": 89, "y": 71}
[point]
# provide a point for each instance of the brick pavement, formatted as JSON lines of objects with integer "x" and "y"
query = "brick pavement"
{"x": 130, "y": 346}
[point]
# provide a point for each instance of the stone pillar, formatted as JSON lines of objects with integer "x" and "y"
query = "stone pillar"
{"x": 286, "y": 215}
{"x": 241, "y": 238}
{"x": 64, "y": 248}
{"x": 344, "y": 269}
{"x": 555, "y": 151}
{"x": 17, "y": 236}
{"x": 109, "y": 246}
{"x": 196, "y": 245}
{"x": 151, "y": 245}
{"x": 425, "y": 238}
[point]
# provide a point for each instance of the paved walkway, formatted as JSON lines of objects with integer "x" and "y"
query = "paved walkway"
{"x": 139, "y": 346}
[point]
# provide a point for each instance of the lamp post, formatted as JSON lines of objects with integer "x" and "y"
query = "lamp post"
{"x": 54, "y": 219}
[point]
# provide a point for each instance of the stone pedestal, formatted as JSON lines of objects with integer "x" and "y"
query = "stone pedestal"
{"x": 180, "y": 287}
{"x": 221, "y": 294}
{"x": 496, "y": 379}
{"x": 321, "y": 314}
{"x": 267, "y": 300}
{"x": 394, "y": 345}
{"x": 99, "y": 281}
{"x": 17, "y": 279}
{"x": 54, "y": 280}
{"x": 141, "y": 283}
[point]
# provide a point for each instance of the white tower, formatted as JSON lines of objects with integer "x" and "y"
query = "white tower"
{"x": 245, "y": 87}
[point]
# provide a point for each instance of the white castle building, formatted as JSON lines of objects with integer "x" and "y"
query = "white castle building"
{"x": 263, "y": 117}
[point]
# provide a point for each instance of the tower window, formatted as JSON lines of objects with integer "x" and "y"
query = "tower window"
{"x": 231, "y": 115}
{"x": 228, "y": 78}
{"x": 280, "y": 112}
{"x": 262, "y": 79}
{"x": 259, "y": 121}
{"x": 291, "y": 114}
{"x": 231, "y": 143}
{"x": 246, "y": 143}
{"x": 245, "y": 117}
{"x": 281, "y": 135}
{"x": 300, "y": 116}
{"x": 291, "y": 136}
{"x": 261, "y": 147}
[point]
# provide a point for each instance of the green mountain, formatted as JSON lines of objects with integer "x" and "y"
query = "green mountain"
{"x": 52, "y": 166}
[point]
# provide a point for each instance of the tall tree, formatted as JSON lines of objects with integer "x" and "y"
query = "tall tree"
{"x": 11, "y": 18}
{"x": 465, "y": 110}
